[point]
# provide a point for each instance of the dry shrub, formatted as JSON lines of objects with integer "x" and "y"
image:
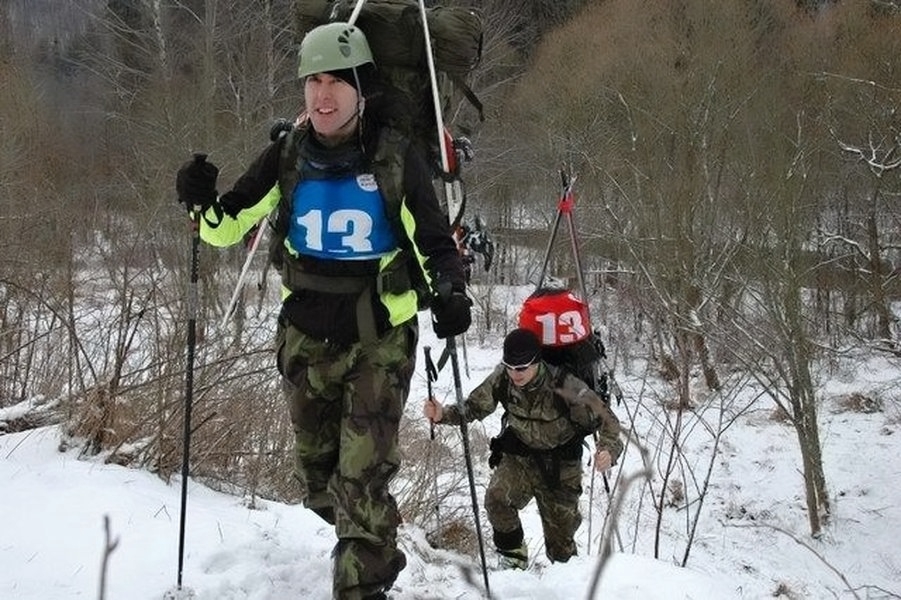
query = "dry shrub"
{"x": 458, "y": 535}
{"x": 858, "y": 403}
{"x": 668, "y": 369}
{"x": 432, "y": 487}
{"x": 674, "y": 404}
{"x": 425, "y": 463}
{"x": 122, "y": 427}
{"x": 97, "y": 419}
{"x": 780, "y": 415}
{"x": 676, "y": 496}
{"x": 241, "y": 440}
{"x": 783, "y": 590}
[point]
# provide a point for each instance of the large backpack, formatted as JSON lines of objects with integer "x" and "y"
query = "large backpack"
{"x": 394, "y": 31}
{"x": 561, "y": 321}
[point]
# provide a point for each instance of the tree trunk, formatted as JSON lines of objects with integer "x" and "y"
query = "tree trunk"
{"x": 876, "y": 275}
{"x": 804, "y": 413}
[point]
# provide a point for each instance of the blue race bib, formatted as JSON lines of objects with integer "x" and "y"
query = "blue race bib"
{"x": 340, "y": 219}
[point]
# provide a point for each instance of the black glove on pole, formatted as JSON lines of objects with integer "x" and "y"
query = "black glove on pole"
{"x": 196, "y": 183}
{"x": 192, "y": 194}
{"x": 451, "y": 312}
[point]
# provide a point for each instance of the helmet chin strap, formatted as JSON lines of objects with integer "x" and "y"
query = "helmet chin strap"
{"x": 361, "y": 105}
{"x": 361, "y": 101}
{"x": 358, "y": 113}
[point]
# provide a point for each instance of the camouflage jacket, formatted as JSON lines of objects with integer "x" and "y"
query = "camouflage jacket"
{"x": 551, "y": 411}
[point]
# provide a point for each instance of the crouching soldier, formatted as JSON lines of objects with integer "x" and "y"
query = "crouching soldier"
{"x": 538, "y": 453}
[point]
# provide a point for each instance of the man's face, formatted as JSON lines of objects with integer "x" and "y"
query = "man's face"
{"x": 521, "y": 375}
{"x": 331, "y": 104}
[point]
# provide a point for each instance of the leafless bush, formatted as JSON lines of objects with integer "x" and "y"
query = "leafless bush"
{"x": 859, "y": 403}
{"x": 432, "y": 488}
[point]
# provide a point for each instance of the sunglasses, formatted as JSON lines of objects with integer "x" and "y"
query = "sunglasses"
{"x": 519, "y": 368}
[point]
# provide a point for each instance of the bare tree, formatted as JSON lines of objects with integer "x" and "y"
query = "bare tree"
{"x": 880, "y": 158}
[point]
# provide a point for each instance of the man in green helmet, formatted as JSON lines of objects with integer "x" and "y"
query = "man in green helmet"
{"x": 361, "y": 245}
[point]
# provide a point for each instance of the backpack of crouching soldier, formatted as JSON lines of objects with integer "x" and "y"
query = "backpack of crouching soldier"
{"x": 561, "y": 321}
{"x": 395, "y": 34}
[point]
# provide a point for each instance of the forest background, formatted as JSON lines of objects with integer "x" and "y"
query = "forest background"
{"x": 738, "y": 181}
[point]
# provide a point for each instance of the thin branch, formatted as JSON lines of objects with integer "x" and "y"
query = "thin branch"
{"x": 611, "y": 526}
{"x": 108, "y": 547}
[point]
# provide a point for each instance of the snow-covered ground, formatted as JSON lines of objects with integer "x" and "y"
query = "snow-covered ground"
{"x": 752, "y": 539}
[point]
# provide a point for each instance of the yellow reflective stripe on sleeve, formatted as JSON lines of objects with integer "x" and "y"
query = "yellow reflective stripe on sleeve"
{"x": 232, "y": 230}
{"x": 409, "y": 224}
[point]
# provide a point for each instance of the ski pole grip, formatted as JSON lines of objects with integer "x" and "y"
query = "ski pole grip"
{"x": 199, "y": 159}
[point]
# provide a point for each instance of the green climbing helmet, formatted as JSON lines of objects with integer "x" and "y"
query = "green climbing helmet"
{"x": 332, "y": 47}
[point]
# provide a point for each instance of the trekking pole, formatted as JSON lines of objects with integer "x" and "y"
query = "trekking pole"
{"x": 254, "y": 244}
{"x": 455, "y": 367}
{"x": 199, "y": 159}
{"x": 465, "y": 355}
{"x": 431, "y": 375}
{"x": 451, "y": 342}
{"x": 564, "y": 205}
{"x": 356, "y": 12}
{"x": 590, "y": 509}
{"x": 567, "y": 203}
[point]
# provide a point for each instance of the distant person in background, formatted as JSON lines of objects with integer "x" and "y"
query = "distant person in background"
{"x": 538, "y": 453}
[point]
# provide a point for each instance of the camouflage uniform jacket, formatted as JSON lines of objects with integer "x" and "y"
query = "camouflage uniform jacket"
{"x": 539, "y": 416}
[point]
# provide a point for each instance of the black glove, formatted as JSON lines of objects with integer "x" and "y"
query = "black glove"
{"x": 280, "y": 127}
{"x": 196, "y": 183}
{"x": 451, "y": 314}
{"x": 463, "y": 149}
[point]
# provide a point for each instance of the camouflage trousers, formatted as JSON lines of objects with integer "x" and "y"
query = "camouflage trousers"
{"x": 346, "y": 404}
{"x": 515, "y": 481}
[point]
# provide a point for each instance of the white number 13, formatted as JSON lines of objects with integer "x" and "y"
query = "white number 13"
{"x": 565, "y": 328}
{"x": 356, "y": 224}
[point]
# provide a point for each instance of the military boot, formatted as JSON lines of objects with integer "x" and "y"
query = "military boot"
{"x": 518, "y": 558}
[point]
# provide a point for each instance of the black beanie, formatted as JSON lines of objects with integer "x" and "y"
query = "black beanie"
{"x": 521, "y": 347}
{"x": 365, "y": 73}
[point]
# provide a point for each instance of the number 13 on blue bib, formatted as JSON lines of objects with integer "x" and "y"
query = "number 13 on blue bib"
{"x": 340, "y": 219}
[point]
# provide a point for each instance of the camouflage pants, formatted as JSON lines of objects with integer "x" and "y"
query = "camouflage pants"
{"x": 346, "y": 404}
{"x": 517, "y": 480}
